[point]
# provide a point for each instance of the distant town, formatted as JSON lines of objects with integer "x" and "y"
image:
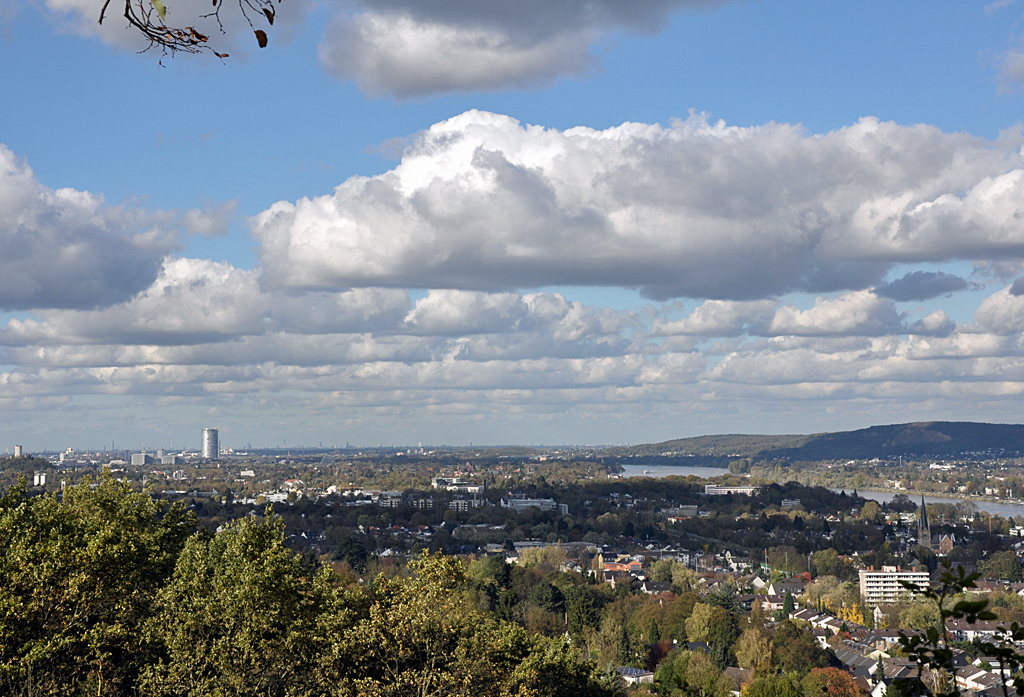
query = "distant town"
{"x": 809, "y": 560}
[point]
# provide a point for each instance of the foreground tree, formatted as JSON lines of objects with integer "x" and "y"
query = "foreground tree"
{"x": 243, "y": 616}
{"x": 423, "y": 635}
{"x": 78, "y": 577}
{"x": 108, "y": 592}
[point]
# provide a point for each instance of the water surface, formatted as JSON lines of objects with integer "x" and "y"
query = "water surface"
{"x": 657, "y": 472}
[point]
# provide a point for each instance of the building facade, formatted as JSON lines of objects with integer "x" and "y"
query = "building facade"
{"x": 715, "y": 490}
{"x": 884, "y": 586}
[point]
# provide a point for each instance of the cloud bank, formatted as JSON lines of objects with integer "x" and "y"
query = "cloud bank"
{"x": 787, "y": 248}
{"x": 699, "y": 210}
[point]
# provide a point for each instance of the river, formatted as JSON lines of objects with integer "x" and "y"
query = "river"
{"x": 1001, "y": 509}
{"x": 657, "y": 471}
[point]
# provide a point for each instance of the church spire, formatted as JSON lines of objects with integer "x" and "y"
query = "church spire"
{"x": 924, "y": 528}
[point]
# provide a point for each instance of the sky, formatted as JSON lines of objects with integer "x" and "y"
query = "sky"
{"x": 536, "y": 222}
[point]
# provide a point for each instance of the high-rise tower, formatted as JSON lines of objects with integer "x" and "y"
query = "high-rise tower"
{"x": 211, "y": 445}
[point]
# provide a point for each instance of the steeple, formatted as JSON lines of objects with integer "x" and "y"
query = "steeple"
{"x": 924, "y": 528}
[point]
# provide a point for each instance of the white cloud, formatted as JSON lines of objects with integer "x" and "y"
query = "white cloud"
{"x": 860, "y": 313}
{"x": 195, "y": 301}
{"x": 700, "y": 210}
{"x": 1011, "y": 70}
{"x": 721, "y": 318}
{"x": 1001, "y": 313}
{"x": 414, "y": 48}
{"x": 936, "y": 323}
{"x": 67, "y": 248}
{"x": 395, "y": 54}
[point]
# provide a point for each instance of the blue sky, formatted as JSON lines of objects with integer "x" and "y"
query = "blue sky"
{"x": 582, "y": 337}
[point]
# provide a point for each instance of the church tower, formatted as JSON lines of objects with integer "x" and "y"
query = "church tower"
{"x": 924, "y": 528}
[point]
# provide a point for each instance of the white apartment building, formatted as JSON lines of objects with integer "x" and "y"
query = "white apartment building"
{"x": 884, "y": 586}
{"x": 716, "y": 490}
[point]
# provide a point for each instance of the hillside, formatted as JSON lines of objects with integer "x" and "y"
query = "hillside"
{"x": 925, "y": 439}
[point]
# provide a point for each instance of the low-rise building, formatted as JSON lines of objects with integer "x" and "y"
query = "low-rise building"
{"x": 633, "y": 676}
{"x": 518, "y": 505}
{"x": 716, "y": 490}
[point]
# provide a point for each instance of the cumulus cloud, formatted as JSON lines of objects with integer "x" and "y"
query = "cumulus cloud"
{"x": 202, "y": 303}
{"x": 1001, "y": 313}
{"x": 68, "y": 249}
{"x": 860, "y": 313}
{"x": 413, "y": 48}
{"x": 209, "y": 222}
{"x": 936, "y": 323}
{"x": 721, "y": 318}
{"x": 480, "y": 202}
{"x": 395, "y": 54}
{"x": 921, "y": 285}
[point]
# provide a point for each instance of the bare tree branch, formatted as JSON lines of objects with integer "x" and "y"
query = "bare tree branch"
{"x": 144, "y": 16}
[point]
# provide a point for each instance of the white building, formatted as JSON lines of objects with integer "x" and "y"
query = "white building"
{"x": 715, "y": 490}
{"x": 462, "y": 486}
{"x": 884, "y": 586}
{"x": 519, "y": 505}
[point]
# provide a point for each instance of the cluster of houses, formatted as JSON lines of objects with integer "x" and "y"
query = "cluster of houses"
{"x": 868, "y": 654}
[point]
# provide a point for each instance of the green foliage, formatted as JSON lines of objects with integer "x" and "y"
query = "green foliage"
{"x": 1002, "y": 565}
{"x": 715, "y": 626}
{"x": 693, "y": 674}
{"x": 741, "y": 466}
{"x": 547, "y": 596}
{"x": 581, "y": 615}
{"x": 796, "y": 651}
{"x": 239, "y": 616}
{"x": 771, "y": 686}
{"x": 107, "y": 592}
{"x": 754, "y": 651}
{"x": 921, "y": 614}
{"x": 871, "y": 512}
{"x": 787, "y": 604}
{"x": 77, "y": 580}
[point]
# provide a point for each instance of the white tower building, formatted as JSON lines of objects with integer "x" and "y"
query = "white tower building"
{"x": 211, "y": 445}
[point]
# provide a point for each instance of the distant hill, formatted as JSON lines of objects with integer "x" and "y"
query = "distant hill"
{"x": 926, "y": 439}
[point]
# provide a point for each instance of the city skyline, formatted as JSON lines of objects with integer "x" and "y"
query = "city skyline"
{"x": 437, "y": 222}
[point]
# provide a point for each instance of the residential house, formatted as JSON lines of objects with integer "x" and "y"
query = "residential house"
{"x": 795, "y": 586}
{"x": 633, "y": 676}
